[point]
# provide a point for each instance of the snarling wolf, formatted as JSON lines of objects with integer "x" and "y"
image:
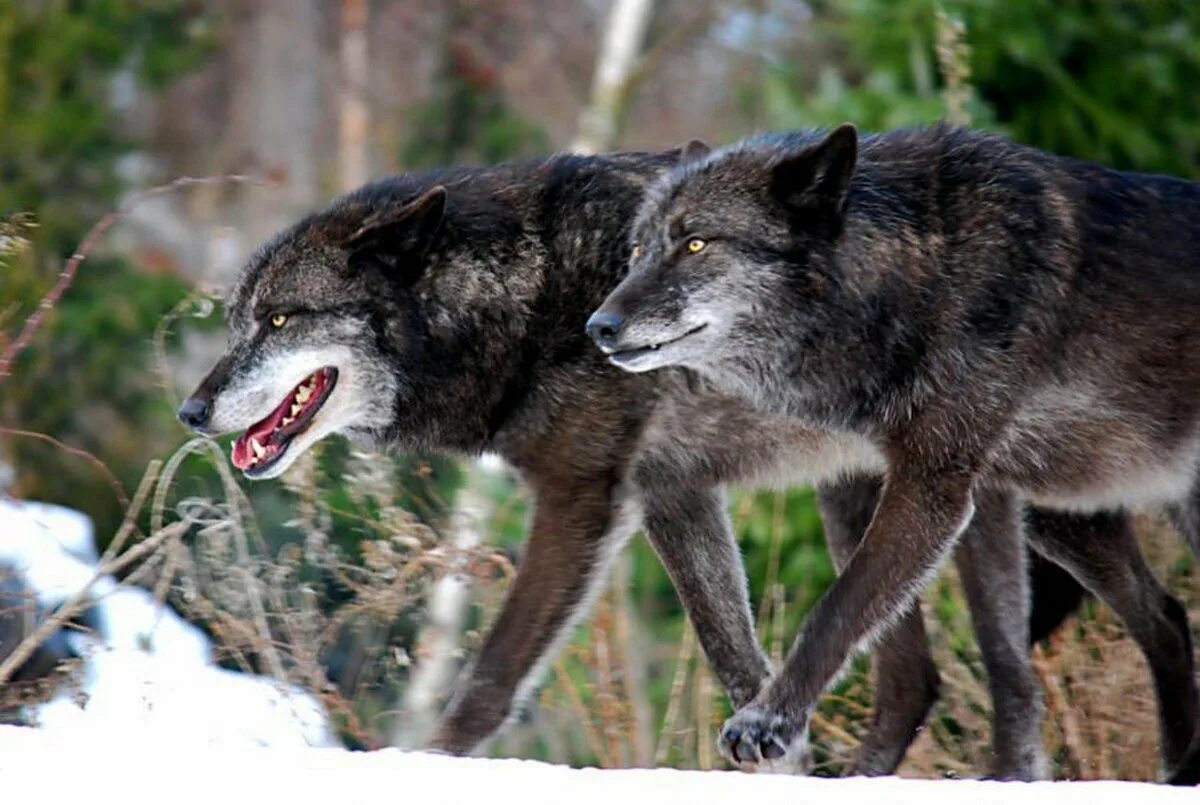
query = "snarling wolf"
{"x": 986, "y": 317}
{"x": 445, "y": 311}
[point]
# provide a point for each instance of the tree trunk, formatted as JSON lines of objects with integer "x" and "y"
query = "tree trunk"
{"x": 354, "y": 118}
{"x": 438, "y": 646}
{"x": 620, "y": 49}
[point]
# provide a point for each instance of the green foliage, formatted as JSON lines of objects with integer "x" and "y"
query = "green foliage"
{"x": 1105, "y": 81}
{"x": 85, "y": 380}
{"x": 57, "y": 60}
{"x": 468, "y": 119}
{"x": 469, "y": 125}
{"x": 784, "y": 527}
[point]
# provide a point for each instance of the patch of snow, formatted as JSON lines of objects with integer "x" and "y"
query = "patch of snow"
{"x": 71, "y": 529}
{"x": 147, "y": 674}
{"x": 30, "y": 760}
{"x": 46, "y": 545}
{"x": 129, "y": 692}
{"x": 131, "y": 620}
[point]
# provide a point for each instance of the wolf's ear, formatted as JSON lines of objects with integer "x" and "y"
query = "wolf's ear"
{"x": 693, "y": 150}
{"x": 396, "y": 238}
{"x": 818, "y": 176}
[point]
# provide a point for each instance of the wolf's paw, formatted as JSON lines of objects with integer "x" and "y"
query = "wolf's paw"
{"x": 764, "y": 738}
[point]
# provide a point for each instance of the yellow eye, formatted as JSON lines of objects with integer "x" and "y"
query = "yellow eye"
{"x": 637, "y": 252}
{"x": 278, "y": 320}
{"x": 696, "y": 245}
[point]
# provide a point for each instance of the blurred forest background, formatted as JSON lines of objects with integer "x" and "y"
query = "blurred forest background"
{"x": 379, "y": 573}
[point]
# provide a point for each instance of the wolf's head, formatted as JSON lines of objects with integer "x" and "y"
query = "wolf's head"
{"x": 356, "y": 320}
{"x": 305, "y": 357}
{"x": 718, "y": 242}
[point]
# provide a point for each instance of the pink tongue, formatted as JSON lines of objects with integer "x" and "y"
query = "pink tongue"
{"x": 243, "y": 453}
{"x": 263, "y": 430}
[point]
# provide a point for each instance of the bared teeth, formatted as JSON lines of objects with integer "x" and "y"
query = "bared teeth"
{"x": 259, "y": 450}
{"x": 303, "y": 394}
{"x": 287, "y": 420}
{"x": 296, "y": 409}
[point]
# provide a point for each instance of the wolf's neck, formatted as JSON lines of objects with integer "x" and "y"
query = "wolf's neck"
{"x": 576, "y": 219}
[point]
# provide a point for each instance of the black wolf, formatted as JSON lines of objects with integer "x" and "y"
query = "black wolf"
{"x": 988, "y": 317}
{"x": 445, "y": 311}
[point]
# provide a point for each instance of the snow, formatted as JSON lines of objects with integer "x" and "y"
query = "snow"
{"x": 138, "y": 695}
{"x": 131, "y": 620}
{"x": 147, "y": 771}
{"x": 147, "y": 675}
{"x": 51, "y": 546}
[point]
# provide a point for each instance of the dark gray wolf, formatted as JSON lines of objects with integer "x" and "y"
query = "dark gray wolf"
{"x": 987, "y": 318}
{"x": 445, "y": 311}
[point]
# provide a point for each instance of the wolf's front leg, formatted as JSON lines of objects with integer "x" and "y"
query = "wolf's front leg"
{"x": 906, "y": 678}
{"x": 691, "y": 533}
{"x": 578, "y": 528}
{"x": 920, "y": 516}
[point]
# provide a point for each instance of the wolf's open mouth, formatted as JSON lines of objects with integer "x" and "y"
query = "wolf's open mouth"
{"x": 623, "y": 355}
{"x": 267, "y": 440}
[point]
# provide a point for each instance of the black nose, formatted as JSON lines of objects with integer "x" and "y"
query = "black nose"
{"x": 605, "y": 328}
{"x": 194, "y": 413}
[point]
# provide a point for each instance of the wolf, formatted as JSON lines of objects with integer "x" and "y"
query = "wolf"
{"x": 445, "y": 310}
{"x": 987, "y": 318}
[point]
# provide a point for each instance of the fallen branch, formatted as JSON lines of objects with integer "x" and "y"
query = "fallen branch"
{"x": 113, "y": 481}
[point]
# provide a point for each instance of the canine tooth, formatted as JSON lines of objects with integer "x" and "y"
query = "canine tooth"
{"x": 259, "y": 450}
{"x": 303, "y": 394}
{"x": 296, "y": 409}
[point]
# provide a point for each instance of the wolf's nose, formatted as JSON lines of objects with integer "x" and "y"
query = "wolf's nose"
{"x": 194, "y": 413}
{"x": 604, "y": 327}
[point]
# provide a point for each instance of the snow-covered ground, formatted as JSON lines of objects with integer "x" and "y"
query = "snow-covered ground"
{"x": 131, "y": 769}
{"x": 145, "y": 671}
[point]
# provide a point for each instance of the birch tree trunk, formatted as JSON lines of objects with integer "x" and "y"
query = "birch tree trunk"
{"x": 438, "y": 646}
{"x": 620, "y": 50}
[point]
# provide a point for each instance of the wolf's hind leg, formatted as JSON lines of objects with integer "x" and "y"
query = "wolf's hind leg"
{"x": 1102, "y": 551}
{"x": 906, "y": 678}
{"x": 991, "y": 562}
{"x": 691, "y": 533}
{"x": 1188, "y": 772}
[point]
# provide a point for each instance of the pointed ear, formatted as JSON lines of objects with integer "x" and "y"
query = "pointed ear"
{"x": 395, "y": 238}
{"x": 818, "y": 176}
{"x": 693, "y": 150}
